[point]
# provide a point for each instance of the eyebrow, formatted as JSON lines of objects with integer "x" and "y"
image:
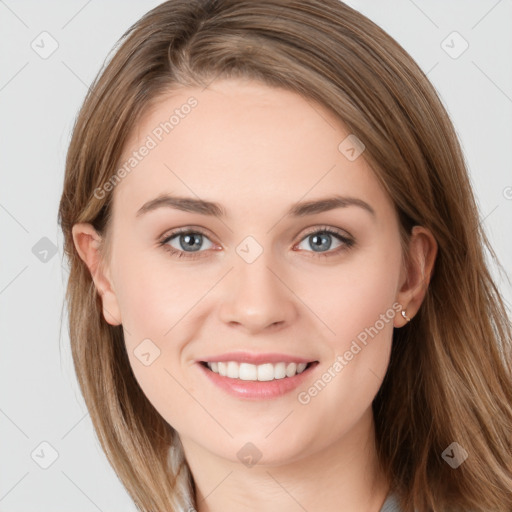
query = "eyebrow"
{"x": 301, "y": 209}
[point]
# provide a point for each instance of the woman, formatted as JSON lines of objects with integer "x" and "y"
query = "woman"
{"x": 278, "y": 282}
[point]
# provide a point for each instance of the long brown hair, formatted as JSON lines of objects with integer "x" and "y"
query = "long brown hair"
{"x": 449, "y": 379}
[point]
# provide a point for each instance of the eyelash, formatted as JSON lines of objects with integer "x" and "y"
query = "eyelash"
{"x": 348, "y": 242}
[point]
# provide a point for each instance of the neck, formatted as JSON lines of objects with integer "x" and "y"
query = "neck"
{"x": 344, "y": 475}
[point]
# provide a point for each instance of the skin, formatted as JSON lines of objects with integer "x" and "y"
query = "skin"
{"x": 289, "y": 300}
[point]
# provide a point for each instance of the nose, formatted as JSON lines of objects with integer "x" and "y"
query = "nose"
{"x": 255, "y": 297}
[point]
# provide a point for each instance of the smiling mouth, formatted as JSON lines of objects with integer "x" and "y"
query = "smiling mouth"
{"x": 261, "y": 372}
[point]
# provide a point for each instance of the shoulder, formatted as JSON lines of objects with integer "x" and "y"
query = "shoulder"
{"x": 391, "y": 504}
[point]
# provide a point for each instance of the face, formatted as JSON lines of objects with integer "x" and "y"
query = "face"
{"x": 268, "y": 280}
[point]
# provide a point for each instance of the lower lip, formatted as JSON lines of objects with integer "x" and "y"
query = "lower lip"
{"x": 258, "y": 390}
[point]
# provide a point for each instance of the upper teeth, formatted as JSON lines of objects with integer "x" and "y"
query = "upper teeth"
{"x": 262, "y": 372}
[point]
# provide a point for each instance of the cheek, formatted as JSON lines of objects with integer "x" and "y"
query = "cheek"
{"x": 153, "y": 299}
{"x": 358, "y": 308}
{"x": 353, "y": 295}
{"x": 362, "y": 319}
{"x": 153, "y": 294}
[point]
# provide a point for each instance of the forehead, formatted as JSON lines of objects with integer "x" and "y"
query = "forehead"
{"x": 243, "y": 142}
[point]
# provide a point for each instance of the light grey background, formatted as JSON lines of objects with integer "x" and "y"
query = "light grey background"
{"x": 39, "y": 98}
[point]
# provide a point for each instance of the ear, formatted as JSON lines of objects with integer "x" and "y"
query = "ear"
{"x": 416, "y": 272}
{"x": 88, "y": 243}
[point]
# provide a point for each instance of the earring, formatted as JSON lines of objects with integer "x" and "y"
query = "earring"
{"x": 405, "y": 316}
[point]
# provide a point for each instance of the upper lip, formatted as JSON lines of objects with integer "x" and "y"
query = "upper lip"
{"x": 247, "y": 357}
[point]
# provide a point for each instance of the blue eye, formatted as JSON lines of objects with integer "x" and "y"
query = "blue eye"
{"x": 320, "y": 241}
{"x": 186, "y": 243}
